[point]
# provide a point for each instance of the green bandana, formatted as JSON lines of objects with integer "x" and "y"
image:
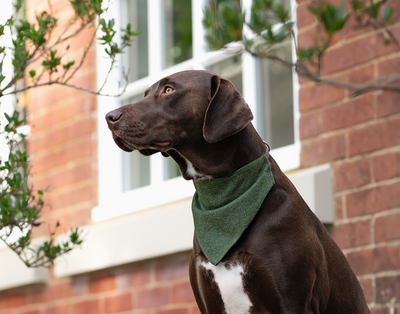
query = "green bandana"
{"x": 224, "y": 207}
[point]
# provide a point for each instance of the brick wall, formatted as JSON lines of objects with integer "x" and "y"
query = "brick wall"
{"x": 63, "y": 143}
{"x": 151, "y": 287}
{"x": 360, "y": 137}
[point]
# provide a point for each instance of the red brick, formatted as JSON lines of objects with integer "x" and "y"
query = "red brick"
{"x": 347, "y": 114}
{"x": 386, "y": 166}
{"x": 339, "y": 208}
{"x": 68, "y": 109}
{"x": 60, "y": 291}
{"x": 361, "y": 75}
{"x": 375, "y": 136}
{"x": 134, "y": 277}
{"x": 387, "y": 288}
{"x": 152, "y": 297}
{"x": 309, "y": 125}
{"x": 389, "y": 67}
{"x": 62, "y": 309}
{"x": 40, "y": 97}
{"x": 31, "y": 312}
{"x": 195, "y": 310}
{"x": 68, "y": 198}
{"x": 182, "y": 293}
{"x": 54, "y": 158}
{"x": 80, "y": 218}
{"x": 366, "y": 285}
{"x": 15, "y": 300}
{"x": 118, "y": 303}
{"x": 352, "y": 234}
{"x": 369, "y": 261}
{"x": 71, "y": 174}
{"x": 176, "y": 268}
{"x": 102, "y": 283}
{"x": 38, "y": 296}
{"x": 306, "y": 38}
{"x": 79, "y": 286}
{"x": 87, "y": 307}
{"x": 61, "y": 134}
{"x": 352, "y": 174}
{"x": 387, "y": 228}
{"x": 304, "y": 16}
{"x": 317, "y": 95}
{"x": 351, "y": 28}
{"x": 354, "y": 52}
{"x": 388, "y": 103}
{"x": 322, "y": 150}
{"x": 174, "y": 311}
{"x": 373, "y": 200}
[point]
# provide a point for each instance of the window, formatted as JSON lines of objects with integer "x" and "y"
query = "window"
{"x": 136, "y": 56}
{"x": 230, "y": 69}
{"x": 275, "y": 103}
{"x": 177, "y": 32}
{"x": 172, "y": 40}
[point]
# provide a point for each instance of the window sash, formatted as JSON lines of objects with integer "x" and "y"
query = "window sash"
{"x": 160, "y": 191}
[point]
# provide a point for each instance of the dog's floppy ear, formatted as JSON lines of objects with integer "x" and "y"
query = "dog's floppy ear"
{"x": 227, "y": 112}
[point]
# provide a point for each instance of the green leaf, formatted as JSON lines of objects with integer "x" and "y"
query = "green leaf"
{"x": 32, "y": 73}
{"x": 357, "y": 5}
{"x": 388, "y": 13}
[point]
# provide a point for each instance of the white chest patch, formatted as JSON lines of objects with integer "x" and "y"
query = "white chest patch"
{"x": 230, "y": 284}
{"x": 191, "y": 171}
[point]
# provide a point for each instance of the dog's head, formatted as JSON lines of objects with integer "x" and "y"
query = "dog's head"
{"x": 186, "y": 109}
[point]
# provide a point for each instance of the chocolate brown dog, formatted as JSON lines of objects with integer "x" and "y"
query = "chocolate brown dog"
{"x": 285, "y": 261}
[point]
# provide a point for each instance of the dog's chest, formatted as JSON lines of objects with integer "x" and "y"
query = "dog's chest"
{"x": 229, "y": 279}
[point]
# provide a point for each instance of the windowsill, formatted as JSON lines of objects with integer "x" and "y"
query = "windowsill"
{"x": 142, "y": 235}
{"x": 14, "y": 273}
{"x": 169, "y": 228}
{"x": 143, "y": 198}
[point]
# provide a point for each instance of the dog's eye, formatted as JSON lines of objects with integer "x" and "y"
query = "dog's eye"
{"x": 168, "y": 90}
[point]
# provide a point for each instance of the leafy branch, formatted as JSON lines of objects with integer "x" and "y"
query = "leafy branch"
{"x": 33, "y": 42}
{"x": 20, "y": 205}
{"x": 38, "y": 59}
{"x": 271, "y": 23}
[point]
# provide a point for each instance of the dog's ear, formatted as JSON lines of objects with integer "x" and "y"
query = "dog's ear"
{"x": 227, "y": 112}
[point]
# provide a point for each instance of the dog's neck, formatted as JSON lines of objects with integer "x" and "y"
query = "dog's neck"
{"x": 202, "y": 160}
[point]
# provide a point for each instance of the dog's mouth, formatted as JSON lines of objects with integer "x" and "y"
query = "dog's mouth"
{"x": 147, "y": 150}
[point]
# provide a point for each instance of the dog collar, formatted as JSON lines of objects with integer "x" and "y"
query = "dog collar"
{"x": 223, "y": 208}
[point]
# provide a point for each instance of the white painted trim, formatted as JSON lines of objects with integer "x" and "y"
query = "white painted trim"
{"x": 155, "y": 20}
{"x": 147, "y": 234}
{"x": 14, "y": 273}
{"x": 143, "y": 198}
{"x": 169, "y": 228}
{"x": 315, "y": 185}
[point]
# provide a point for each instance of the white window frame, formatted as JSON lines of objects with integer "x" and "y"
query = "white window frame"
{"x": 112, "y": 201}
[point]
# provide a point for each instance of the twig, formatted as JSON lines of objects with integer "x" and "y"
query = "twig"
{"x": 64, "y": 84}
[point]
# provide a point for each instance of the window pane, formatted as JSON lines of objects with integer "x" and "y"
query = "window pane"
{"x": 171, "y": 169}
{"x": 275, "y": 112}
{"x": 136, "y": 57}
{"x": 136, "y": 170}
{"x": 136, "y": 167}
{"x": 230, "y": 69}
{"x": 178, "y": 31}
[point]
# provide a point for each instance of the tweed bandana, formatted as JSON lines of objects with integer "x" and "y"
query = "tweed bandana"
{"x": 223, "y": 208}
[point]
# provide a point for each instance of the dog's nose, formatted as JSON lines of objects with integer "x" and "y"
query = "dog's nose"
{"x": 113, "y": 116}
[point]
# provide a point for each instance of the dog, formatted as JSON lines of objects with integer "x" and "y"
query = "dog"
{"x": 283, "y": 260}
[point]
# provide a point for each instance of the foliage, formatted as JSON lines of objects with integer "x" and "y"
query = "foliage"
{"x": 270, "y": 23}
{"x": 37, "y": 61}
